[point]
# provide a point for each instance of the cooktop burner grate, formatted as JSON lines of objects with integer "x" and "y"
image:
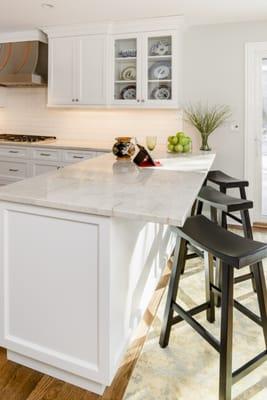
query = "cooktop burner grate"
{"x": 25, "y": 138}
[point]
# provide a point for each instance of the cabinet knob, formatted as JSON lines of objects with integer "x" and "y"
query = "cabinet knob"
{"x": 138, "y": 101}
{"x": 77, "y": 100}
{"x": 73, "y": 100}
{"x": 142, "y": 100}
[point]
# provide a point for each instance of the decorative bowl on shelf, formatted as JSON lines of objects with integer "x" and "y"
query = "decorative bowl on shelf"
{"x": 160, "y": 70}
{"x": 160, "y": 48}
{"x": 123, "y": 148}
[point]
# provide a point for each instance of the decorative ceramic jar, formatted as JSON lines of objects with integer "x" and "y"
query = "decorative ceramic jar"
{"x": 123, "y": 148}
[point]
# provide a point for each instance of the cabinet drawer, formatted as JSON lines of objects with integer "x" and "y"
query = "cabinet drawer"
{"x": 13, "y": 169}
{"x": 76, "y": 156}
{"x": 11, "y": 152}
{"x": 44, "y": 154}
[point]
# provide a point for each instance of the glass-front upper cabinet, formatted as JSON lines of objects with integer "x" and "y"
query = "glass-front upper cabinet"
{"x": 160, "y": 70}
{"x": 144, "y": 70}
{"x": 126, "y": 70}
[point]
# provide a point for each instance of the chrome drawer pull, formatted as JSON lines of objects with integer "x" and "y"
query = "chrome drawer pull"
{"x": 13, "y": 170}
{"x": 13, "y": 151}
{"x": 78, "y": 157}
{"x": 45, "y": 154}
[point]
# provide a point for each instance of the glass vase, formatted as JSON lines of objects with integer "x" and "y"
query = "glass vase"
{"x": 204, "y": 145}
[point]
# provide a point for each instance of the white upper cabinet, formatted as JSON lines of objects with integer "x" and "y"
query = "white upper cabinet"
{"x": 91, "y": 72}
{"x": 123, "y": 64}
{"x": 61, "y": 71}
{"x": 77, "y": 74}
{"x": 144, "y": 70}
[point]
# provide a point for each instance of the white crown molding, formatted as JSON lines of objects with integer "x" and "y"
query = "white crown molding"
{"x": 23, "y": 36}
{"x": 128, "y": 26}
{"x": 77, "y": 30}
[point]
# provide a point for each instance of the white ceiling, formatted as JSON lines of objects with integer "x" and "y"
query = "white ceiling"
{"x": 28, "y": 14}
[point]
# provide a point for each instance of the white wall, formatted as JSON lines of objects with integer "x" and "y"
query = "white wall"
{"x": 26, "y": 112}
{"x": 214, "y": 70}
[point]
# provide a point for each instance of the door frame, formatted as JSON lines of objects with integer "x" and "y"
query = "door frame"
{"x": 254, "y": 53}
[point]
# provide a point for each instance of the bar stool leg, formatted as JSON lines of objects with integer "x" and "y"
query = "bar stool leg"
{"x": 178, "y": 265}
{"x": 262, "y": 296}
{"x": 225, "y": 388}
{"x": 208, "y": 262}
{"x": 248, "y": 233}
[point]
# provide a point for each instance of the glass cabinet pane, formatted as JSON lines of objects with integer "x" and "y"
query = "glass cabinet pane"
{"x": 125, "y": 69}
{"x": 159, "y": 68}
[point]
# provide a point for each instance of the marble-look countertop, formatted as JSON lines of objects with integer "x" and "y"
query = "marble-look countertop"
{"x": 97, "y": 145}
{"x": 104, "y": 186}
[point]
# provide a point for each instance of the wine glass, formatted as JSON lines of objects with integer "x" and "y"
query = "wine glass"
{"x": 151, "y": 142}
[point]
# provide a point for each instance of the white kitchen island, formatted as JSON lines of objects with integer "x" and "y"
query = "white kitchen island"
{"x": 82, "y": 250}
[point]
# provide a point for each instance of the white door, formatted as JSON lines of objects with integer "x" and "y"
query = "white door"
{"x": 159, "y": 69}
{"x": 256, "y": 127}
{"x": 91, "y": 70}
{"x": 125, "y": 77}
{"x": 61, "y": 71}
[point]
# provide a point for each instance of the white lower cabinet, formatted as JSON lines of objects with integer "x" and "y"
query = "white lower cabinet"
{"x": 19, "y": 163}
{"x": 69, "y": 306}
{"x": 40, "y": 167}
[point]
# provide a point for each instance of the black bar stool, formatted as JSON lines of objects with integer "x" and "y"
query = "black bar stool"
{"x": 221, "y": 204}
{"x": 235, "y": 252}
{"x": 225, "y": 182}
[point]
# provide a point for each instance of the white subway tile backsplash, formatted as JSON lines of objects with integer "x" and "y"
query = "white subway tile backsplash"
{"x": 26, "y": 112}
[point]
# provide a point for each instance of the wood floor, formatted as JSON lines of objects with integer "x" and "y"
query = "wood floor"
{"x": 21, "y": 383}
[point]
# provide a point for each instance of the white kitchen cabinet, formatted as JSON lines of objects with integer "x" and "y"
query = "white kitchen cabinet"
{"x": 61, "y": 71}
{"x": 41, "y": 167}
{"x": 91, "y": 72}
{"x": 77, "y": 73}
{"x": 144, "y": 70}
{"x": 17, "y": 163}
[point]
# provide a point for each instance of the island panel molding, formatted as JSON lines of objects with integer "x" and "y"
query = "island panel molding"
{"x": 62, "y": 312}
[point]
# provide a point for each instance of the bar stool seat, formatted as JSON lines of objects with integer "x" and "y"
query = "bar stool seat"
{"x": 221, "y": 201}
{"x": 229, "y": 247}
{"x": 226, "y": 181}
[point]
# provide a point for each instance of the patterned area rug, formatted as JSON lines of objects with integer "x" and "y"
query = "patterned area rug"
{"x": 188, "y": 369}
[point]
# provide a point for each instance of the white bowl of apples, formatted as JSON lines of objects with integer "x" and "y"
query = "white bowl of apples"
{"x": 179, "y": 143}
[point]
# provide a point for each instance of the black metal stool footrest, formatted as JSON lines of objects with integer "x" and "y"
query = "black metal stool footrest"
{"x": 243, "y": 278}
{"x": 187, "y": 316}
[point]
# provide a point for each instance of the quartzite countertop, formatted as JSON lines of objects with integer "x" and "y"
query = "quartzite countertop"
{"x": 104, "y": 186}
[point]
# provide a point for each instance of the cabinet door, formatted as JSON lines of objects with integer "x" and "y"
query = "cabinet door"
{"x": 159, "y": 72}
{"x": 61, "y": 71}
{"x": 90, "y": 76}
{"x": 39, "y": 168}
{"x": 125, "y": 77}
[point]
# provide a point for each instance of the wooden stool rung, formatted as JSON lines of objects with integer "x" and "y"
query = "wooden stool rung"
{"x": 243, "y": 278}
{"x": 248, "y": 367}
{"x": 197, "y": 326}
{"x": 196, "y": 310}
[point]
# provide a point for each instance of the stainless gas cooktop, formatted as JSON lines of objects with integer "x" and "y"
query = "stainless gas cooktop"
{"x": 25, "y": 138}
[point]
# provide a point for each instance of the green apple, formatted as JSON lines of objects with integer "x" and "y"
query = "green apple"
{"x": 178, "y": 148}
{"x": 186, "y": 148}
{"x": 184, "y": 141}
{"x": 170, "y": 139}
{"x": 174, "y": 140}
{"x": 180, "y": 134}
{"x": 170, "y": 147}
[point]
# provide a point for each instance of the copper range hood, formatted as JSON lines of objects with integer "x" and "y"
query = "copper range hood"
{"x": 23, "y": 63}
